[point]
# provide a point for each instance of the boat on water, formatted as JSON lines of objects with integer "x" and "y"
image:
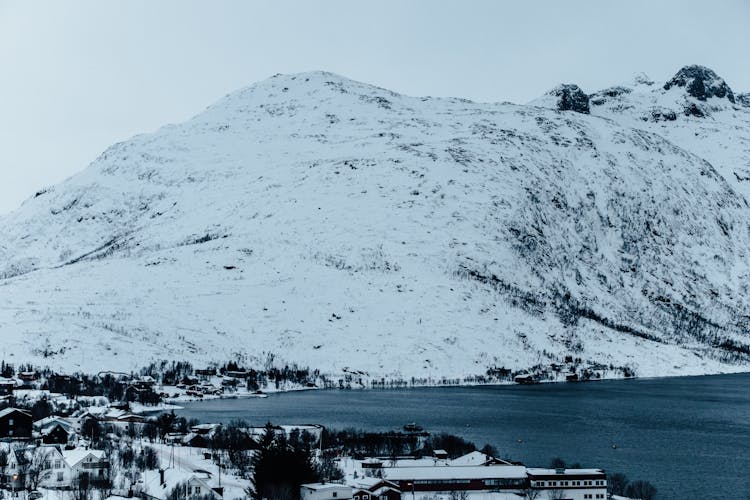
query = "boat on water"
{"x": 413, "y": 427}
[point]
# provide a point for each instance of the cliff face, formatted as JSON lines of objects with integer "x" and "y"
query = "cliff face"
{"x": 313, "y": 219}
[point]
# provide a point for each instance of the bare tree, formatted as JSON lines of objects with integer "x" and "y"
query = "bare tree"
{"x": 642, "y": 490}
{"x": 616, "y": 484}
{"x": 35, "y": 469}
{"x": 531, "y": 494}
{"x": 459, "y": 495}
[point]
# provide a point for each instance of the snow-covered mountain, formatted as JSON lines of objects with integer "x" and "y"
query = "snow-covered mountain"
{"x": 321, "y": 221}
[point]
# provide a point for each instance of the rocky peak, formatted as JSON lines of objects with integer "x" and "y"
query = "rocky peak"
{"x": 700, "y": 82}
{"x": 570, "y": 97}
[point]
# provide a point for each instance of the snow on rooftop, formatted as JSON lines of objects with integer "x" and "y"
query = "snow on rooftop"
{"x": 448, "y": 473}
{"x": 473, "y": 458}
{"x": 8, "y": 411}
{"x": 325, "y": 486}
{"x": 537, "y": 471}
{"x": 73, "y": 457}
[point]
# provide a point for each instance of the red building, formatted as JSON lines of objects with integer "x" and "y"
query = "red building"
{"x": 375, "y": 489}
{"x": 459, "y": 478}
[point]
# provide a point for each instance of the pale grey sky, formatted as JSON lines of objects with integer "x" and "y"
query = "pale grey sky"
{"x": 78, "y": 76}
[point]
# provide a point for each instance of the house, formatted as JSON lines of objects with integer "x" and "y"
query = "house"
{"x": 325, "y": 491}
{"x": 460, "y": 478}
{"x": 7, "y": 385}
{"x": 573, "y": 484}
{"x": 70, "y": 425}
{"x": 205, "y": 373}
{"x": 524, "y": 379}
{"x": 27, "y": 376}
{"x": 130, "y": 418}
{"x": 63, "y": 384}
{"x": 55, "y": 434}
{"x": 145, "y": 382}
{"x": 371, "y": 488}
{"x": 15, "y": 424}
{"x": 206, "y": 429}
{"x": 62, "y": 468}
{"x": 477, "y": 458}
{"x": 19, "y": 460}
{"x": 195, "y": 440}
{"x": 197, "y": 485}
{"x": 135, "y": 393}
{"x": 93, "y": 463}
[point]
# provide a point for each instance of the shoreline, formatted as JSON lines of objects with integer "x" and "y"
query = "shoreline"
{"x": 191, "y": 400}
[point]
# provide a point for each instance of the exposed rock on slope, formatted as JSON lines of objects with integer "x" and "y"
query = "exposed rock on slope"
{"x": 569, "y": 97}
{"x": 701, "y": 83}
{"x": 313, "y": 219}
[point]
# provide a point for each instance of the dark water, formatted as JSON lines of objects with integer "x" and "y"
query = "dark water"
{"x": 689, "y": 436}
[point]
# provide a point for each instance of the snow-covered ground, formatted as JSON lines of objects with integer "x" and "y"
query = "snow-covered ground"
{"x": 315, "y": 220}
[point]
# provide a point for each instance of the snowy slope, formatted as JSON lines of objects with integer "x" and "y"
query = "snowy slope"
{"x": 313, "y": 219}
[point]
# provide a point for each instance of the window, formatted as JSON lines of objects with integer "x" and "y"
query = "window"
{"x": 10, "y": 422}
{"x": 335, "y": 494}
{"x": 58, "y": 464}
{"x": 197, "y": 490}
{"x": 59, "y": 476}
{"x": 10, "y": 432}
{"x": 189, "y": 490}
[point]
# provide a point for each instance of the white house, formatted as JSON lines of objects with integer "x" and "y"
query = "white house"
{"x": 325, "y": 491}
{"x": 62, "y": 468}
{"x": 573, "y": 484}
{"x": 157, "y": 486}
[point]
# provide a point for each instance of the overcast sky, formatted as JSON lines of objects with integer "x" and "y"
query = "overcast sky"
{"x": 78, "y": 76}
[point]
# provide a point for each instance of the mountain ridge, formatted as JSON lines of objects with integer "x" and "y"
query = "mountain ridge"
{"x": 315, "y": 220}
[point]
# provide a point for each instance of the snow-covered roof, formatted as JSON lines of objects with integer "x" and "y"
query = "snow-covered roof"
{"x": 473, "y": 458}
{"x": 50, "y": 422}
{"x": 538, "y": 471}
{"x": 48, "y": 429}
{"x": 448, "y": 473}
{"x": 365, "y": 482}
{"x": 477, "y": 458}
{"x": 325, "y": 486}
{"x": 8, "y": 411}
{"x": 74, "y": 457}
{"x": 415, "y": 462}
{"x": 368, "y": 483}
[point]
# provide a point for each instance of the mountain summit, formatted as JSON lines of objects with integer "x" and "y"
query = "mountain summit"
{"x": 316, "y": 220}
{"x": 701, "y": 83}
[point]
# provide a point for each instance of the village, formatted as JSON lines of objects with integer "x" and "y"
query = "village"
{"x": 61, "y": 446}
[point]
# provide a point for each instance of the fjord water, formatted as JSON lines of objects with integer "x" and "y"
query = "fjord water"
{"x": 689, "y": 436}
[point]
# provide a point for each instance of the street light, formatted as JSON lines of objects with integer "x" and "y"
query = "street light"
{"x": 412, "y": 489}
